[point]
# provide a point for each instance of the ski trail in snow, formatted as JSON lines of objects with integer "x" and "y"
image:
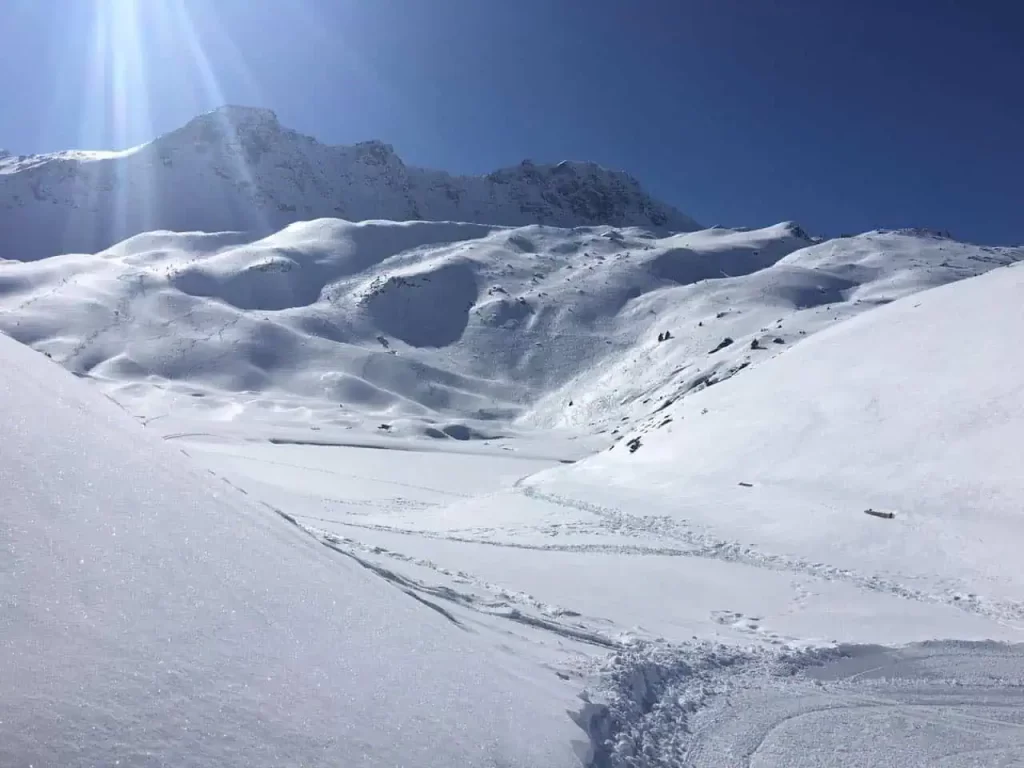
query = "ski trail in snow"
{"x": 705, "y": 545}
{"x": 506, "y": 605}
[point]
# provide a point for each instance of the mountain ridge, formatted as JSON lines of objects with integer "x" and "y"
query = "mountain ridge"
{"x": 238, "y": 169}
{"x": 423, "y": 323}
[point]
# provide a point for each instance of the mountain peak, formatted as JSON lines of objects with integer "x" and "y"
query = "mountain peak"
{"x": 237, "y": 168}
{"x": 240, "y": 115}
{"x": 227, "y": 122}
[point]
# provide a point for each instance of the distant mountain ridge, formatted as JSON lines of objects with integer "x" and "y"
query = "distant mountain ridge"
{"x": 239, "y": 169}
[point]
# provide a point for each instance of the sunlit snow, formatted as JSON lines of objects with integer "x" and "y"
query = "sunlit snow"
{"x": 501, "y": 493}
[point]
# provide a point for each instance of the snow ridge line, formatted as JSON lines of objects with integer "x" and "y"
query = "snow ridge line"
{"x": 704, "y": 545}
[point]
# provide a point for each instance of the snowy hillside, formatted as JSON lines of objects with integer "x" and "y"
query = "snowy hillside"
{"x": 911, "y": 409}
{"x": 154, "y": 615}
{"x": 238, "y": 169}
{"x": 433, "y": 326}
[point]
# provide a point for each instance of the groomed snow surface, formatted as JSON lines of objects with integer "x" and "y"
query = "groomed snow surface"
{"x": 431, "y": 493}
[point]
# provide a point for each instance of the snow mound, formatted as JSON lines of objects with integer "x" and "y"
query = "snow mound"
{"x": 154, "y": 615}
{"x": 238, "y": 168}
{"x": 910, "y": 409}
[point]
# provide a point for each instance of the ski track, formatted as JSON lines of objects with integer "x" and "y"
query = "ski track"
{"x": 704, "y": 545}
{"x": 694, "y": 544}
{"x": 504, "y": 605}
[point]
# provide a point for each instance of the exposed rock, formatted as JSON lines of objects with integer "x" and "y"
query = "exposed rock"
{"x": 722, "y": 345}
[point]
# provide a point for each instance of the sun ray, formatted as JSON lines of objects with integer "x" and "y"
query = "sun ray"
{"x": 214, "y": 93}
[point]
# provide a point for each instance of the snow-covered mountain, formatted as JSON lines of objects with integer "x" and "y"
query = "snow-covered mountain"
{"x": 613, "y": 506}
{"x": 238, "y": 169}
{"x": 426, "y": 325}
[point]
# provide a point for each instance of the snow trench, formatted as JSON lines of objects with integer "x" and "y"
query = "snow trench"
{"x": 940, "y": 703}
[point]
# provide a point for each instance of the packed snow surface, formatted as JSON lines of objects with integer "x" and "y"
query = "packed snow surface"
{"x": 439, "y": 493}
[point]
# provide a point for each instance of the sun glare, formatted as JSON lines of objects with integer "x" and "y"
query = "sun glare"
{"x": 142, "y": 51}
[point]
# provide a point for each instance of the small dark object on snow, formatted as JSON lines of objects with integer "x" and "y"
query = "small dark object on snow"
{"x": 878, "y": 513}
{"x": 570, "y": 403}
{"x": 668, "y": 335}
{"x": 755, "y": 344}
{"x": 721, "y": 345}
{"x": 661, "y": 337}
{"x": 633, "y": 444}
{"x": 778, "y": 340}
{"x": 385, "y": 427}
{"x": 747, "y": 485}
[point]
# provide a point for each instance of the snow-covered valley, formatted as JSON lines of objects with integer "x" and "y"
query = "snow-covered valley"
{"x": 500, "y": 492}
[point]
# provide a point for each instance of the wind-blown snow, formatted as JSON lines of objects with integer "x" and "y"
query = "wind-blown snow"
{"x": 153, "y": 615}
{"x": 237, "y": 168}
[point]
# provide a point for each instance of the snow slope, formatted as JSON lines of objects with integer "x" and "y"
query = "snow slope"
{"x": 912, "y": 408}
{"x": 154, "y": 615}
{"x": 452, "y": 329}
{"x": 237, "y": 168}
{"x": 759, "y": 292}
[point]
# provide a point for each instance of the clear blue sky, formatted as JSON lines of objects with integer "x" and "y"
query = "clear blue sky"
{"x": 843, "y": 116}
